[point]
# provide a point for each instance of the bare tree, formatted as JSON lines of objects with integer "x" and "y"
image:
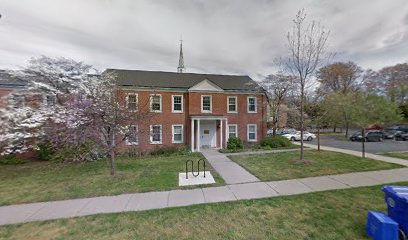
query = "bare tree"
{"x": 307, "y": 43}
{"x": 277, "y": 87}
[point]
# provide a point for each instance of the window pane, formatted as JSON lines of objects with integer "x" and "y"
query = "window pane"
{"x": 251, "y": 128}
{"x": 252, "y": 136}
{"x": 177, "y": 138}
{"x": 156, "y": 103}
{"x": 50, "y": 100}
{"x": 132, "y": 138}
{"x": 156, "y": 134}
{"x": 177, "y": 103}
{"x": 207, "y": 103}
{"x": 132, "y": 102}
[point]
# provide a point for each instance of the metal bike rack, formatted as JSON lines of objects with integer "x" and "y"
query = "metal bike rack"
{"x": 192, "y": 168}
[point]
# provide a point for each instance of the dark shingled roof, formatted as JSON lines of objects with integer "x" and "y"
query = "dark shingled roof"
{"x": 157, "y": 79}
{"x": 9, "y": 81}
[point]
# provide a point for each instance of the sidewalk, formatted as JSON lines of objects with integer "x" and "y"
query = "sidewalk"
{"x": 358, "y": 154}
{"x": 156, "y": 200}
{"x": 230, "y": 171}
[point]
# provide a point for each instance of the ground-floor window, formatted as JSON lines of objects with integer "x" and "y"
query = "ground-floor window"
{"x": 232, "y": 130}
{"x": 177, "y": 135}
{"x": 251, "y": 132}
{"x": 155, "y": 134}
{"x": 132, "y": 138}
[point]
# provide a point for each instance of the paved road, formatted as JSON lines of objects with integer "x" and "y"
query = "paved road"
{"x": 371, "y": 147}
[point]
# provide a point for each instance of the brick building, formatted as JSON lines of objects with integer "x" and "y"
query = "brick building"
{"x": 198, "y": 110}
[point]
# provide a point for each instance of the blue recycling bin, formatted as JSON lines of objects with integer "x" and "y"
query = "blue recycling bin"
{"x": 396, "y": 198}
{"x": 381, "y": 227}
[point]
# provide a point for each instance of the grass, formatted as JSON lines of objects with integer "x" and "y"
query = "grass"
{"x": 402, "y": 155}
{"x": 279, "y": 166}
{"x": 45, "y": 181}
{"x": 339, "y": 214}
{"x": 256, "y": 148}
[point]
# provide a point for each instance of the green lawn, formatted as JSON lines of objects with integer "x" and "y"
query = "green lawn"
{"x": 339, "y": 214}
{"x": 257, "y": 148}
{"x": 44, "y": 181}
{"x": 279, "y": 166}
{"x": 402, "y": 155}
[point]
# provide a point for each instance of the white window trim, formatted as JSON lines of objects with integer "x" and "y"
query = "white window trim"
{"x": 151, "y": 103}
{"x": 45, "y": 102}
{"x": 151, "y": 134}
{"x": 182, "y": 133}
{"x": 236, "y": 104}
{"x": 137, "y": 136}
{"x": 256, "y": 107}
{"x": 256, "y": 135}
{"x": 202, "y": 98}
{"x": 172, "y": 104}
{"x": 137, "y": 101}
{"x": 236, "y": 129}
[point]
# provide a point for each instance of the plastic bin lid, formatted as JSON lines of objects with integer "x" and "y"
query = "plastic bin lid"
{"x": 399, "y": 192}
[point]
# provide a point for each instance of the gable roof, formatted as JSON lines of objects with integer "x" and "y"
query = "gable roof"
{"x": 9, "y": 81}
{"x": 156, "y": 79}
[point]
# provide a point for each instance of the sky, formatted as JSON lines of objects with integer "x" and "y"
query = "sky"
{"x": 219, "y": 36}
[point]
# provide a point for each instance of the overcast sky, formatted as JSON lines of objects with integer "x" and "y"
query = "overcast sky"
{"x": 226, "y": 37}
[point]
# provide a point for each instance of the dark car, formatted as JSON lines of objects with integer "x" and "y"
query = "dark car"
{"x": 370, "y": 136}
{"x": 390, "y": 133}
{"x": 402, "y": 135}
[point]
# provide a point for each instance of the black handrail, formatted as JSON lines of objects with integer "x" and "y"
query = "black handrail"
{"x": 192, "y": 168}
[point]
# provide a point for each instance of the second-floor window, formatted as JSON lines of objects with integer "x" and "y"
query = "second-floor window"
{"x": 131, "y": 102}
{"x": 232, "y": 104}
{"x": 252, "y": 104}
{"x": 206, "y": 104}
{"x": 156, "y": 103}
{"x": 177, "y": 103}
{"x": 50, "y": 100}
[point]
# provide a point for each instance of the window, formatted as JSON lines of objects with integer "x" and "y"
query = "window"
{"x": 177, "y": 134}
{"x": 155, "y": 134}
{"x": 252, "y": 104}
{"x": 232, "y": 104}
{"x": 18, "y": 101}
{"x": 177, "y": 103}
{"x": 155, "y": 103}
{"x": 49, "y": 100}
{"x": 132, "y": 137}
{"x": 131, "y": 101}
{"x": 251, "y": 130}
{"x": 206, "y": 104}
{"x": 232, "y": 130}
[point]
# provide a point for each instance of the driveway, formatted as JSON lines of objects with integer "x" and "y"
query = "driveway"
{"x": 371, "y": 147}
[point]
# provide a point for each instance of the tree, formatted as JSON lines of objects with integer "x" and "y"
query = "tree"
{"x": 307, "y": 45}
{"x": 339, "y": 77}
{"x": 373, "y": 109}
{"x": 277, "y": 88}
{"x": 88, "y": 109}
{"x": 317, "y": 114}
{"x": 389, "y": 81}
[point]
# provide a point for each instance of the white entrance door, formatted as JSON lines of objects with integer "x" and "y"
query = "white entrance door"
{"x": 208, "y": 134}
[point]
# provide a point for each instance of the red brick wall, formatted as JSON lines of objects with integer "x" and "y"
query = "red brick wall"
{"x": 192, "y": 106}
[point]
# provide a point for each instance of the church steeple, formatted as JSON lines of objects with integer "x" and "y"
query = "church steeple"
{"x": 181, "y": 67}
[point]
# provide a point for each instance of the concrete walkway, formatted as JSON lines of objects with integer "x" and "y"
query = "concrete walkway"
{"x": 230, "y": 171}
{"x": 156, "y": 200}
{"x": 357, "y": 153}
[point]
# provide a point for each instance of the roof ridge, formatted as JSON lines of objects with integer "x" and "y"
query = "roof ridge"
{"x": 138, "y": 70}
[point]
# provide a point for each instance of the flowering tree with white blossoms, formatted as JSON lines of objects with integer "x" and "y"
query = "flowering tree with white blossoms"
{"x": 70, "y": 107}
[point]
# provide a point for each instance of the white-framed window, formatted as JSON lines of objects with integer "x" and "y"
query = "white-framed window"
{"x": 251, "y": 133}
{"x": 232, "y": 130}
{"x": 232, "y": 104}
{"x": 156, "y": 103}
{"x": 49, "y": 100}
{"x": 156, "y": 134}
{"x": 132, "y": 137}
{"x": 18, "y": 101}
{"x": 206, "y": 104}
{"x": 251, "y": 101}
{"x": 132, "y": 101}
{"x": 177, "y": 103}
{"x": 177, "y": 133}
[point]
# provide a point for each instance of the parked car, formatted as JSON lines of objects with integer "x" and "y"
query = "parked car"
{"x": 401, "y": 135}
{"x": 281, "y": 131}
{"x": 296, "y": 136}
{"x": 370, "y": 136}
{"x": 390, "y": 133}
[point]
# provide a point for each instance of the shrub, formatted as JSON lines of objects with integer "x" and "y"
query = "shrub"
{"x": 45, "y": 151}
{"x": 167, "y": 151}
{"x": 11, "y": 159}
{"x": 275, "y": 142}
{"x": 235, "y": 143}
{"x": 84, "y": 152}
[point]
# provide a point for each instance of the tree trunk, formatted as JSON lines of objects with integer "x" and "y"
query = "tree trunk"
{"x": 301, "y": 124}
{"x": 318, "y": 138}
{"x": 363, "y": 142}
{"x": 334, "y": 128}
{"x": 347, "y": 129}
{"x": 112, "y": 161}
